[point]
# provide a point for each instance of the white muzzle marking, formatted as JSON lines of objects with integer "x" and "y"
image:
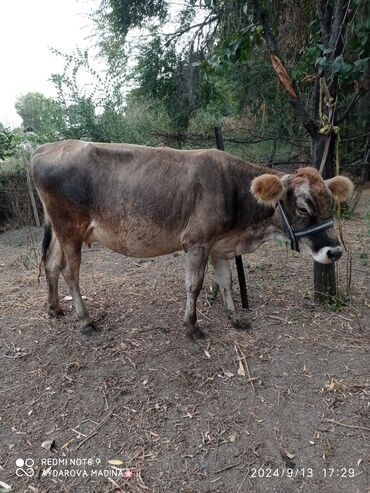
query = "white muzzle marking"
{"x": 327, "y": 255}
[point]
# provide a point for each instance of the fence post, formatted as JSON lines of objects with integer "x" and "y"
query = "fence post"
{"x": 238, "y": 258}
{"x": 30, "y": 190}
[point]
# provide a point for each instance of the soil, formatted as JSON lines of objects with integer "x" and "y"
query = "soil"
{"x": 281, "y": 408}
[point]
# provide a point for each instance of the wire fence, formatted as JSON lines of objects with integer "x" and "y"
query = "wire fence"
{"x": 272, "y": 149}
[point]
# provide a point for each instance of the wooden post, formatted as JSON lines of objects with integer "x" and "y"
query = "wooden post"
{"x": 30, "y": 190}
{"x": 238, "y": 258}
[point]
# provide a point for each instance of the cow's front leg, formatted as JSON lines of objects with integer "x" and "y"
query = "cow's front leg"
{"x": 196, "y": 260}
{"x": 224, "y": 279}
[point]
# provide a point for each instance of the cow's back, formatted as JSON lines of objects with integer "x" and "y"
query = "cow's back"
{"x": 151, "y": 198}
{"x": 160, "y": 183}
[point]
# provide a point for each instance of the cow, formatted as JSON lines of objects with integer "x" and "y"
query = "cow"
{"x": 149, "y": 201}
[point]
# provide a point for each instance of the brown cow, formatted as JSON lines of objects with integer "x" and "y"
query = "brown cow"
{"x": 144, "y": 202}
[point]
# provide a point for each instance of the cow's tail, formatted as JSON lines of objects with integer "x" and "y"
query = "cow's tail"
{"x": 46, "y": 240}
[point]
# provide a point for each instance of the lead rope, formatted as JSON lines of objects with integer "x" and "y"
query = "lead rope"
{"x": 327, "y": 129}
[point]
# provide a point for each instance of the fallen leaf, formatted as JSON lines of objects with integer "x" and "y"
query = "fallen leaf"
{"x": 48, "y": 444}
{"x": 232, "y": 437}
{"x": 115, "y": 462}
{"x": 207, "y": 354}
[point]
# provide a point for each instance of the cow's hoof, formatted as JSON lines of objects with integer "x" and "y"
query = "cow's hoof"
{"x": 56, "y": 313}
{"x": 194, "y": 332}
{"x": 89, "y": 328}
{"x": 239, "y": 322}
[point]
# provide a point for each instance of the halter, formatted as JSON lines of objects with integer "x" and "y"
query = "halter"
{"x": 294, "y": 235}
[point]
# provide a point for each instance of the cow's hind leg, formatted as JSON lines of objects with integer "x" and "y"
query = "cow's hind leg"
{"x": 71, "y": 272}
{"x": 196, "y": 259}
{"x": 52, "y": 257}
{"x": 224, "y": 279}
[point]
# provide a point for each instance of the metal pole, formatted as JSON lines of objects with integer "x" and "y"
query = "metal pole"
{"x": 238, "y": 258}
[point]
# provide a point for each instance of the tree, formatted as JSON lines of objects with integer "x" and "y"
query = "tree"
{"x": 44, "y": 115}
{"x": 174, "y": 78}
{"x": 170, "y": 58}
{"x": 229, "y": 41}
{"x": 93, "y": 110}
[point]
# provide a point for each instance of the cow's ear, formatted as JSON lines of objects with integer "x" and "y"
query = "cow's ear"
{"x": 341, "y": 187}
{"x": 268, "y": 189}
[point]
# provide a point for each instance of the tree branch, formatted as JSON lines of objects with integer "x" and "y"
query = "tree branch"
{"x": 309, "y": 123}
{"x": 172, "y": 36}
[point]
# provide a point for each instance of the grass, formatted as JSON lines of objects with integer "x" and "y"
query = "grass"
{"x": 335, "y": 303}
{"x": 212, "y": 293}
{"x": 365, "y": 258}
{"x": 260, "y": 151}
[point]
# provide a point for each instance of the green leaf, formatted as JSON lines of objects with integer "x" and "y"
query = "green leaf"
{"x": 321, "y": 61}
{"x": 337, "y": 64}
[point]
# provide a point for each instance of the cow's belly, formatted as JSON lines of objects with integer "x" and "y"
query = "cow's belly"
{"x": 134, "y": 238}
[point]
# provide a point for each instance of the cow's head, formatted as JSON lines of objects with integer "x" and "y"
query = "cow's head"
{"x": 307, "y": 202}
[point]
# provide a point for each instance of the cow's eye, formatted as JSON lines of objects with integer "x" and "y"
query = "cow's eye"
{"x": 302, "y": 212}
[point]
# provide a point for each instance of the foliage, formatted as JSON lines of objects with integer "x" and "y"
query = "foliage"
{"x": 221, "y": 42}
{"x": 123, "y": 15}
{"x": 43, "y": 115}
{"x": 161, "y": 73}
{"x": 90, "y": 111}
{"x": 186, "y": 67}
{"x": 7, "y": 143}
{"x": 335, "y": 303}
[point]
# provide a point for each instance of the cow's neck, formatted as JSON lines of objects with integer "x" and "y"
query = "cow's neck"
{"x": 255, "y": 235}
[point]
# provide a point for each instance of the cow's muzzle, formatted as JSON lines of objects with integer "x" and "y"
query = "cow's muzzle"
{"x": 328, "y": 255}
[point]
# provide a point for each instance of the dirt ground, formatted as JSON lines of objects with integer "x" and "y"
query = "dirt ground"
{"x": 139, "y": 408}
